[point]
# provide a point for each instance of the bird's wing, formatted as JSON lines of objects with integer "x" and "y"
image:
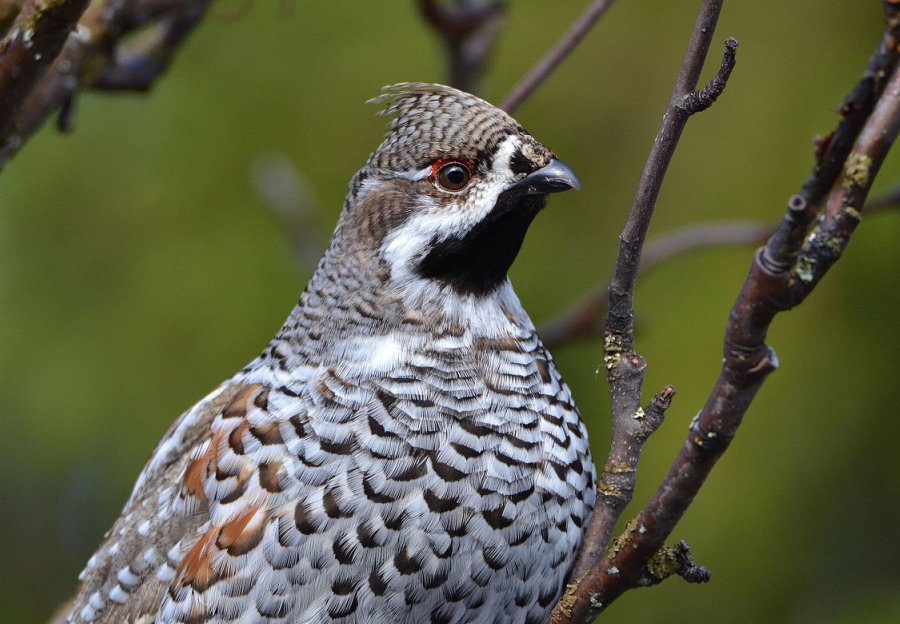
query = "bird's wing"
{"x": 124, "y": 582}
{"x": 238, "y": 476}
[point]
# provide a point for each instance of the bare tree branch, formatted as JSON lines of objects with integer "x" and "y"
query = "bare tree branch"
{"x": 684, "y": 102}
{"x": 556, "y": 56}
{"x": 625, "y": 368}
{"x": 583, "y": 319}
{"x": 783, "y": 273}
{"x": 469, "y": 29}
{"x": 832, "y": 150}
{"x": 36, "y": 37}
{"x": 95, "y": 58}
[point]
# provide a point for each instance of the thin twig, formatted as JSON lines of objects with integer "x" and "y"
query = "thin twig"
{"x": 582, "y": 320}
{"x": 556, "y": 56}
{"x": 775, "y": 283}
{"x": 469, "y": 29}
{"x": 625, "y": 368}
{"x": 619, "y": 324}
{"x": 70, "y": 70}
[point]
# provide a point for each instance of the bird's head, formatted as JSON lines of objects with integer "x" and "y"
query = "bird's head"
{"x": 448, "y": 196}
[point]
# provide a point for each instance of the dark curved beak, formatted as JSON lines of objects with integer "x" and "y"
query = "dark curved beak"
{"x": 555, "y": 177}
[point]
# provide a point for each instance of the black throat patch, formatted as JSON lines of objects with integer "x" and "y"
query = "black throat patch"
{"x": 478, "y": 262}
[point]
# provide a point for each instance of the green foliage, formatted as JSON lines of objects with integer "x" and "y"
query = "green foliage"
{"x": 138, "y": 268}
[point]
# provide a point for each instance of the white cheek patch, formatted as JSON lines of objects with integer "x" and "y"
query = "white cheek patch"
{"x": 436, "y": 221}
{"x": 414, "y": 238}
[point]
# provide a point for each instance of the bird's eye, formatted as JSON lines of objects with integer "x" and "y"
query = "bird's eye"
{"x": 452, "y": 176}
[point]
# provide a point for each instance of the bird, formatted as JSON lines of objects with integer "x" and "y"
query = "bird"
{"x": 405, "y": 449}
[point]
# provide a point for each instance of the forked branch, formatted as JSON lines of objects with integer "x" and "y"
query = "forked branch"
{"x": 625, "y": 368}
{"x": 810, "y": 239}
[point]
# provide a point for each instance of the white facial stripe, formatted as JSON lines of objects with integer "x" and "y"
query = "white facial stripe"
{"x": 414, "y": 174}
{"x": 435, "y": 221}
{"x": 502, "y": 157}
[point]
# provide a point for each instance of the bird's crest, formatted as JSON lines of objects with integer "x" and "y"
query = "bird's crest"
{"x": 431, "y": 120}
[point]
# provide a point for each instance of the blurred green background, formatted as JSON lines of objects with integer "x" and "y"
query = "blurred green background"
{"x": 140, "y": 265}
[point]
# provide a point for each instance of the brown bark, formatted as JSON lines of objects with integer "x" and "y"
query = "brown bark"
{"x": 783, "y": 273}
{"x": 35, "y": 38}
{"x": 42, "y": 72}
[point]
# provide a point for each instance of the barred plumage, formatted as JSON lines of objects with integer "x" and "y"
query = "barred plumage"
{"x": 404, "y": 450}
